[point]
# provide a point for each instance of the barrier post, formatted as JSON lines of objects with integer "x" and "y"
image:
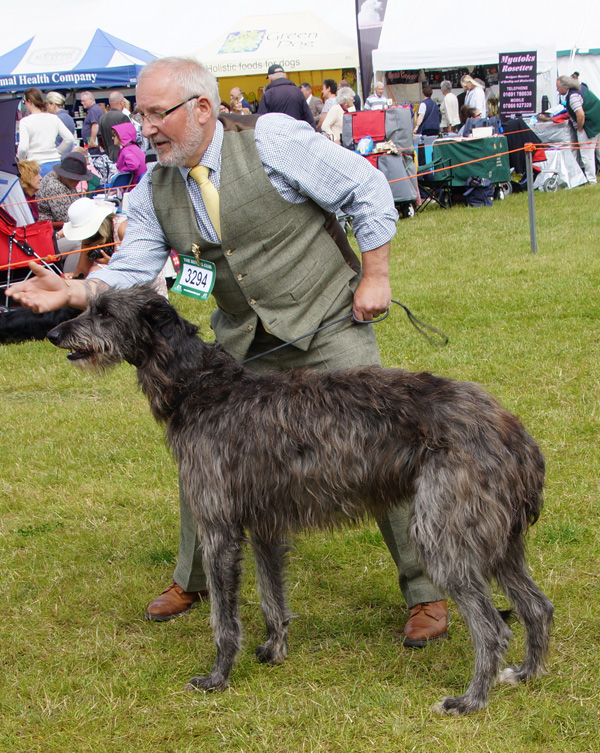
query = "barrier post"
{"x": 529, "y": 150}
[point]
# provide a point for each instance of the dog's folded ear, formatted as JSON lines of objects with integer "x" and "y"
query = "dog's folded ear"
{"x": 162, "y": 316}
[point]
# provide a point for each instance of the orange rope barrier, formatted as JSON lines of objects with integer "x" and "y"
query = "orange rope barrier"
{"x": 63, "y": 195}
{"x": 54, "y": 257}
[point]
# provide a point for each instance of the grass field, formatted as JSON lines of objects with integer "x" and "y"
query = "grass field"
{"x": 89, "y": 533}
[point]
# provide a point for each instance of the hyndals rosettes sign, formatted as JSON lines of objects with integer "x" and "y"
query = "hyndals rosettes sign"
{"x": 517, "y": 77}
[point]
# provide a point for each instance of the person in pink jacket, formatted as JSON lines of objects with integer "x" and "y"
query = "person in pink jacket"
{"x": 131, "y": 158}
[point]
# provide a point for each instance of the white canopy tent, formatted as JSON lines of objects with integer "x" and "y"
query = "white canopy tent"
{"x": 478, "y": 39}
{"x": 297, "y": 41}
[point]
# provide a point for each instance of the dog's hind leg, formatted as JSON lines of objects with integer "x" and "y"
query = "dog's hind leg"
{"x": 222, "y": 555}
{"x": 534, "y": 609}
{"x": 270, "y": 559}
{"x": 490, "y": 636}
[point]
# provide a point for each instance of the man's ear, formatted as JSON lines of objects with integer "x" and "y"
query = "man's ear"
{"x": 203, "y": 110}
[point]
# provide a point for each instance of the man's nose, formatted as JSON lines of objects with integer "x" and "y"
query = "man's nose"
{"x": 148, "y": 129}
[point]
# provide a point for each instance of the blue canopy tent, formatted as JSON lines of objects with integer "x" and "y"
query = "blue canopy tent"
{"x": 93, "y": 60}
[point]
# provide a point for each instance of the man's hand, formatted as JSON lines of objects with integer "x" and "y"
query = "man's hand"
{"x": 373, "y": 294}
{"x": 45, "y": 291}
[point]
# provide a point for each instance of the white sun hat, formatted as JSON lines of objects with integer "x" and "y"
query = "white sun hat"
{"x": 85, "y": 217}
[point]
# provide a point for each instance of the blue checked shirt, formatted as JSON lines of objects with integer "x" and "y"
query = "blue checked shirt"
{"x": 300, "y": 164}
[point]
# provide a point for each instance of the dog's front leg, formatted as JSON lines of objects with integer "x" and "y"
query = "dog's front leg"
{"x": 270, "y": 555}
{"x": 222, "y": 554}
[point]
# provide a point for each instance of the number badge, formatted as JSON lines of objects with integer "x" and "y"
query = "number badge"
{"x": 196, "y": 278}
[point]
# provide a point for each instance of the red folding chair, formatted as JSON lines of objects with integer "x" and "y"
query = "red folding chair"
{"x": 18, "y": 246}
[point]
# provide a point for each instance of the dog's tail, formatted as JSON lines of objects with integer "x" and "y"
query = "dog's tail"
{"x": 532, "y": 469}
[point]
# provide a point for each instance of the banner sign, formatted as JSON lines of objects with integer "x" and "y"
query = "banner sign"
{"x": 517, "y": 79}
{"x": 369, "y": 20}
{"x": 125, "y": 75}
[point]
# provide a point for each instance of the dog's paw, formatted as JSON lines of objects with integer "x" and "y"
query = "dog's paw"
{"x": 207, "y": 683}
{"x": 457, "y": 706}
{"x": 515, "y": 675}
{"x": 509, "y": 676}
{"x": 270, "y": 653}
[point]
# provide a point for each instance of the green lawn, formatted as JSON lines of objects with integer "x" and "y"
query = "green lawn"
{"x": 89, "y": 532}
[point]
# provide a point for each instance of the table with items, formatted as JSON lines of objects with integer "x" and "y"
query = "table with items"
{"x": 454, "y": 152}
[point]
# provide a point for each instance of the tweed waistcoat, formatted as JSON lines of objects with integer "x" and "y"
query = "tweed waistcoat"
{"x": 277, "y": 261}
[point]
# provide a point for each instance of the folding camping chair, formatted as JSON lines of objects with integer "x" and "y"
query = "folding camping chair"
{"x": 117, "y": 188}
{"x": 18, "y": 246}
{"x": 435, "y": 187}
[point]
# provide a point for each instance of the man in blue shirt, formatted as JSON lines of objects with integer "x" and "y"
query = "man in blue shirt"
{"x": 89, "y": 129}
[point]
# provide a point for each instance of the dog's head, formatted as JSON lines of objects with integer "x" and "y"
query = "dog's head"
{"x": 122, "y": 325}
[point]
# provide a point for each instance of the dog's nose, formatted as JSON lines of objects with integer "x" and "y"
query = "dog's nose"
{"x": 54, "y": 336}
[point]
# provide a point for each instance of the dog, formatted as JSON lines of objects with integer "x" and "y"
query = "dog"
{"x": 19, "y": 325}
{"x": 370, "y": 13}
{"x": 271, "y": 454}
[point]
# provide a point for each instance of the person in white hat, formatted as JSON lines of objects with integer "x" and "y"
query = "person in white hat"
{"x": 91, "y": 222}
{"x": 100, "y": 229}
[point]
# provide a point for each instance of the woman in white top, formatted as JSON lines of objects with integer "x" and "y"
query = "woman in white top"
{"x": 332, "y": 125}
{"x": 38, "y": 132}
{"x": 475, "y": 94}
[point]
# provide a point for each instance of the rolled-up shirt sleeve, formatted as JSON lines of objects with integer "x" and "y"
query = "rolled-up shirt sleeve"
{"x": 144, "y": 249}
{"x": 303, "y": 164}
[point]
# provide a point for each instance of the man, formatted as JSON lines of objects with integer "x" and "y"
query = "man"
{"x": 449, "y": 109}
{"x": 282, "y": 95}
{"x": 584, "y": 110}
{"x": 376, "y": 101}
{"x": 57, "y": 189}
{"x": 90, "y": 127}
{"x": 282, "y": 267}
{"x": 314, "y": 103}
{"x": 112, "y": 117}
{"x": 329, "y": 92}
{"x": 428, "y": 115}
{"x": 237, "y": 93}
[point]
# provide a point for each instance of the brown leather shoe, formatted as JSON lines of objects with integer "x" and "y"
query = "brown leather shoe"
{"x": 172, "y": 602}
{"x": 428, "y": 622}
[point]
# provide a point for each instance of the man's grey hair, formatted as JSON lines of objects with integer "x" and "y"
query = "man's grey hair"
{"x": 191, "y": 76}
{"x": 55, "y": 98}
{"x": 569, "y": 82}
{"x": 446, "y": 86}
{"x": 87, "y": 94}
{"x": 344, "y": 93}
{"x": 115, "y": 98}
{"x": 379, "y": 83}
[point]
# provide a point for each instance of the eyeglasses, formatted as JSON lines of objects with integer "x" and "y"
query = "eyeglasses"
{"x": 156, "y": 118}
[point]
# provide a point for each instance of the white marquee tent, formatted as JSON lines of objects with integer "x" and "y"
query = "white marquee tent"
{"x": 437, "y": 36}
{"x": 298, "y": 41}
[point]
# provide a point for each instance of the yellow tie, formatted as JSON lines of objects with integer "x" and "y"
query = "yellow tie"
{"x": 210, "y": 195}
